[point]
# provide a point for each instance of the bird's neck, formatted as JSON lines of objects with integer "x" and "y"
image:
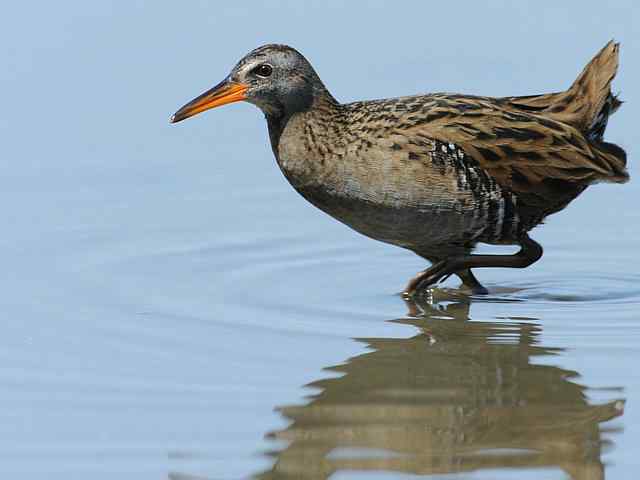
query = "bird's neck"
{"x": 322, "y": 107}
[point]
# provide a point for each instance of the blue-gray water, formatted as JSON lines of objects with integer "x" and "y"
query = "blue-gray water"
{"x": 172, "y": 308}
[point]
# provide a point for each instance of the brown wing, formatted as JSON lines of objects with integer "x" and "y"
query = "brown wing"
{"x": 521, "y": 150}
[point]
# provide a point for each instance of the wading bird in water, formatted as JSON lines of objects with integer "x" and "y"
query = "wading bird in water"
{"x": 438, "y": 173}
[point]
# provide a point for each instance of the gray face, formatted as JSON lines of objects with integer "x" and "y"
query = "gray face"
{"x": 280, "y": 80}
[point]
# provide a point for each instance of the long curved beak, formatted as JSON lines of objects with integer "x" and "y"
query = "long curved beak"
{"x": 223, "y": 93}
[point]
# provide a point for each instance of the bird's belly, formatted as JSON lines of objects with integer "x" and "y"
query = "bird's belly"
{"x": 403, "y": 226}
{"x": 430, "y": 229}
{"x": 430, "y": 212}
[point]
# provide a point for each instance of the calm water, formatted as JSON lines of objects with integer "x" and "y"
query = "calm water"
{"x": 172, "y": 309}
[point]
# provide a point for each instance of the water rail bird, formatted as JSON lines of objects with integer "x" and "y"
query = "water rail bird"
{"x": 437, "y": 173}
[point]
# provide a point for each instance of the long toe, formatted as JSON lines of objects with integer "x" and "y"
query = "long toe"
{"x": 433, "y": 275}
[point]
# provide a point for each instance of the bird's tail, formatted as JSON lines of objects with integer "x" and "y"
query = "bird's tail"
{"x": 587, "y": 105}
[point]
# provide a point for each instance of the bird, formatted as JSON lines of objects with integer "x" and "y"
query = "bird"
{"x": 436, "y": 173}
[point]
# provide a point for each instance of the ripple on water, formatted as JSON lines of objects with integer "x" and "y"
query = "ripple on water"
{"x": 588, "y": 288}
{"x": 281, "y": 271}
{"x": 298, "y": 273}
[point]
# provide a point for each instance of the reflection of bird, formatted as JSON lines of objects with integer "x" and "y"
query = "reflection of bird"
{"x": 435, "y": 174}
{"x": 456, "y": 397}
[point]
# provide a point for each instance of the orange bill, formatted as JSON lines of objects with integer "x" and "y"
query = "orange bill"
{"x": 223, "y": 93}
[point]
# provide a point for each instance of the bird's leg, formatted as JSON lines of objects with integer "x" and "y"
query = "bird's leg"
{"x": 470, "y": 281}
{"x": 530, "y": 252}
{"x": 416, "y": 281}
{"x": 441, "y": 271}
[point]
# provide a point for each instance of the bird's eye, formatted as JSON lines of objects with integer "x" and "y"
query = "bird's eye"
{"x": 263, "y": 70}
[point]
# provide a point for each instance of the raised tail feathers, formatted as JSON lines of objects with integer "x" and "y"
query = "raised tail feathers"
{"x": 594, "y": 101}
{"x": 588, "y": 101}
{"x": 589, "y": 105}
{"x": 586, "y": 106}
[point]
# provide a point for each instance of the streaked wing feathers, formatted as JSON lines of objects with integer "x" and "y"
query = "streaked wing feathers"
{"x": 519, "y": 149}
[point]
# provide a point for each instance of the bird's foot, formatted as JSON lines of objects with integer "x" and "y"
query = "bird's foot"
{"x": 470, "y": 283}
{"x": 438, "y": 273}
{"x": 430, "y": 277}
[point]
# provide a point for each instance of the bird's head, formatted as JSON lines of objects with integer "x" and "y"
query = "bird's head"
{"x": 276, "y": 78}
